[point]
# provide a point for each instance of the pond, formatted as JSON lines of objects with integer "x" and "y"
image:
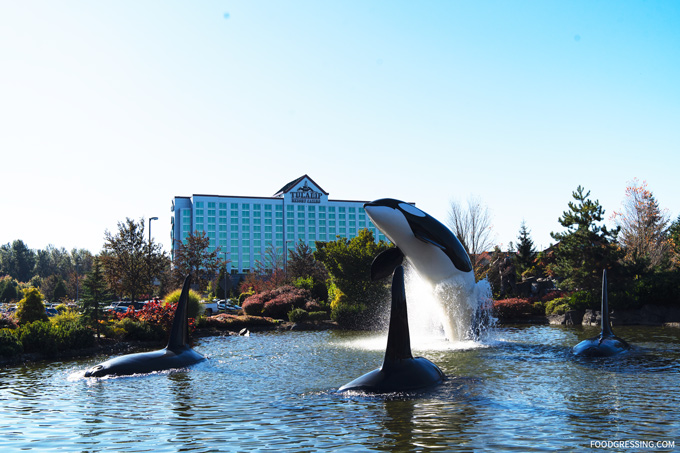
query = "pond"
{"x": 521, "y": 390}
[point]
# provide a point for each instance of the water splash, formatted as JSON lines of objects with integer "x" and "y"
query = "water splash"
{"x": 456, "y": 310}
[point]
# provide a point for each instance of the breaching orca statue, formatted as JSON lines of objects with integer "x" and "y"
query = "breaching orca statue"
{"x": 430, "y": 247}
{"x": 177, "y": 354}
{"x": 606, "y": 344}
{"x": 400, "y": 371}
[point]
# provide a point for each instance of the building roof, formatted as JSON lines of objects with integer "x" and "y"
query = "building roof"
{"x": 288, "y": 187}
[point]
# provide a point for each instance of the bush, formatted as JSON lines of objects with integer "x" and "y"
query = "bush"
{"x": 583, "y": 300}
{"x": 31, "y": 308}
{"x": 193, "y": 304}
{"x": 131, "y": 329}
{"x": 37, "y": 336}
{"x": 48, "y": 337}
{"x": 512, "y": 308}
{"x": 9, "y": 343}
{"x": 557, "y": 306}
{"x": 349, "y": 316}
{"x": 318, "y": 315}
{"x": 298, "y": 315}
{"x": 235, "y": 322}
{"x": 276, "y": 303}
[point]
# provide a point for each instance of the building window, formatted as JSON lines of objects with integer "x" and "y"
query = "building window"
{"x": 199, "y": 204}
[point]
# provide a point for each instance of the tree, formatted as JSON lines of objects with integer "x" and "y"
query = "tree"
{"x": 95, "y": 293}
{"x": 348, "y": 262}
{"x": 472, "y": 227}
{"x": 31, "y": 307}
{"x": 526, "y": 253}
{"x": 9, "y": 289}
{"x": 644, "y": 234}
{"x": 127, "y": 258}
{"x": 60, "y": 292}
{"x": 193, "y": 256}
{"x": 303, "y": 266}
{"x": 674, "y": 236}
{"x": 585, "y": 248}
{"x": 17, "y": 261}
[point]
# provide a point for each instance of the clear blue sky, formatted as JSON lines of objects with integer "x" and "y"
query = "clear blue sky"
{"x": 110, "y": 109}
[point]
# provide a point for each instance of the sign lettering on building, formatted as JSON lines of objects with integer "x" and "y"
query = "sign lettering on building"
{"x": 306, "y": 194}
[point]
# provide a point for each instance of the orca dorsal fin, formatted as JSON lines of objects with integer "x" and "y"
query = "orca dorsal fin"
{"x": 180, "y": 325}
{"x": 606, "y": 325}
{"x": 398, "y": 338}
{"x": 384, "y": 264}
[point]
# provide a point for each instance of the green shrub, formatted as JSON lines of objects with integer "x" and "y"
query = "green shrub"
{"x": 557, "y": 306}
{"x": 584, "y": 300}
{"x": 66, "y": 316}
{"x": 37, "y": 336}
{"x": 318, "y": 315}
{"x": 193, "y": 304}
{"x": 349, "y": 316}
{"x": 9, "y": 343}
{"x": 72, "y": 335}
{"x": 139, "y": 330}
{"x": 298, "y": 315}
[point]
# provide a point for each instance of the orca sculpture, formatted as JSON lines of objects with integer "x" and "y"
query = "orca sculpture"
{"x": 606, "y": 344}
{"x": 177, "y": 354}
{"x": 400, "y": 371}
{"x": 434, "y": 251}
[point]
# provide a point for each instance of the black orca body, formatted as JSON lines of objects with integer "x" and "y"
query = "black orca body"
{"x": 400, "y": 371}
{"x": 606, "y": 344}
{"x": 177, "y": 354}
{"x": 435, "y": 253}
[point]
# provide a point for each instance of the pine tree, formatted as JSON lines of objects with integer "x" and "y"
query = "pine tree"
{"x": 95, "y": 293}
{"x": 526, "y": 253}
{"x": 586, "y": 247}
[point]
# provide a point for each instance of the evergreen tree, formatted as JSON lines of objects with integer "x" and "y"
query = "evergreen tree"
{"x": 59, "y": 291}
{"x": 95, "y": 294}
{"x": 526, "y": 253}
{"x": 31, "y": 308}
{"x": 585, "y": 248}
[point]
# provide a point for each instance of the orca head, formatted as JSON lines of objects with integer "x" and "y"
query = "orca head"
{"x": 430, "y": 246}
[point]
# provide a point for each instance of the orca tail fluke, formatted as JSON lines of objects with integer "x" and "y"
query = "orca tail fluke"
{"x": 398, "y": 338}
{"x": 179, "y": 334}
{"x": 606, "y": 325}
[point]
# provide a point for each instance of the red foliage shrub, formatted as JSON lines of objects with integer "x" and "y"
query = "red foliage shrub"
{"x": 155, "y": 313}
{"x": 512, "y": 308}
{"x": 276, "y": 303}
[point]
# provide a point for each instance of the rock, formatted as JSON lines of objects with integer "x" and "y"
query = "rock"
{"x": 591, "y": 318}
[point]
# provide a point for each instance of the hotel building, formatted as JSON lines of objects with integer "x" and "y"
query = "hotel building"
{"x": 250, "y": 229}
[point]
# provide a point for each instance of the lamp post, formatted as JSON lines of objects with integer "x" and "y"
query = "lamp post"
{"x": 149, "y": 258}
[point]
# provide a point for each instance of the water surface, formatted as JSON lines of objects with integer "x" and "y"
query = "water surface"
{"x": 521, "y": 390}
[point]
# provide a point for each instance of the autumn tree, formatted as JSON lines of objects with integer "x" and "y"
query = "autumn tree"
{"x": 193, "y": 256}
{"x": 129, "y": 259}
{"x": 644, "y": 227}
{"x": 586, "y": 247}
{"x": 472, "y": 226}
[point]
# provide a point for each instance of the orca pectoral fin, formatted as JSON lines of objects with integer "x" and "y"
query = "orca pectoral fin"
{"x": 385, "y": 263}
{"x": 425, "y": 237}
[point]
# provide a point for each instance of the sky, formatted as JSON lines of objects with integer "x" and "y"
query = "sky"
{"x": 110, "y": 109}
